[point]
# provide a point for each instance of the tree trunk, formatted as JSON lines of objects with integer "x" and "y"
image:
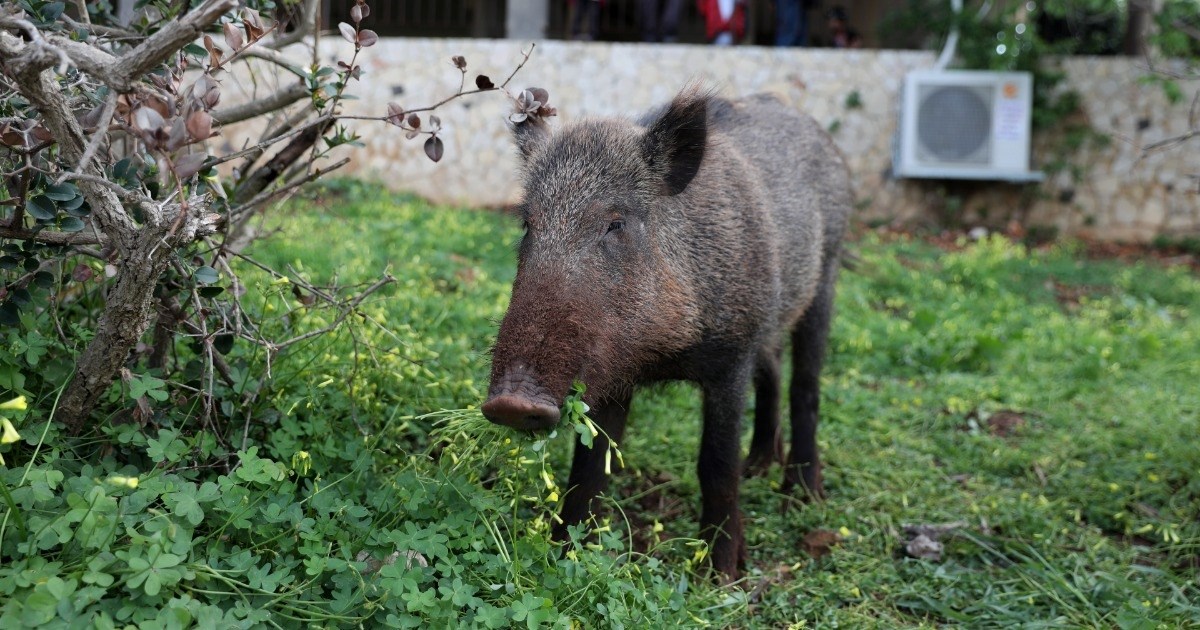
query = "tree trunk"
{"x": 145, "y": 247}
{"x": 126, "y": 316}
{"x": 1138, "y": 14}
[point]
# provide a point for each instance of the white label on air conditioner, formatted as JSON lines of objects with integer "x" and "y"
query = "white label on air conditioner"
{"x": 1011, "y": 115}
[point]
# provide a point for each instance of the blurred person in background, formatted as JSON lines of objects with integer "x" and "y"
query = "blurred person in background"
{"x": 791, "y": 22}
{"x": 724, "y": 20}
{"x": 840, "y": 33}
{"x": 585, "y": 21}
{"x": 660, "y": 20}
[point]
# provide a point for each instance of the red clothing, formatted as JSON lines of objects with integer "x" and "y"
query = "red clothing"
{"x": 714, "y": 25}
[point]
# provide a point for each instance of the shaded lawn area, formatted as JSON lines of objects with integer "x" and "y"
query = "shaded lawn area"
{"x": 1048, "y": 402}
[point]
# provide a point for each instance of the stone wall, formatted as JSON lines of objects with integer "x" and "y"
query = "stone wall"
{"x": 1114, "y": 194}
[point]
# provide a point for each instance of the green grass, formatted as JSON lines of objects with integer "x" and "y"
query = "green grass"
{"x": 1082, "y": 511}
{"x": 1085, "y": 515}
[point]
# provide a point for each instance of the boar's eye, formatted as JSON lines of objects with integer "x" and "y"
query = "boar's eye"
{"x": 615, "y": 225}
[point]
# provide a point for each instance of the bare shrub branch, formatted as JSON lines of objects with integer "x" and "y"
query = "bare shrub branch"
{"x": 105, "y": 153}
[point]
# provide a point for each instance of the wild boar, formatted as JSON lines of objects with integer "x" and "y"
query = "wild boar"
{"x": 685, "y": 246}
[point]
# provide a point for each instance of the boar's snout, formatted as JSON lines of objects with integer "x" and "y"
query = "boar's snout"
{"x": 520, "y": 413}
{"x": 519, "y": 401}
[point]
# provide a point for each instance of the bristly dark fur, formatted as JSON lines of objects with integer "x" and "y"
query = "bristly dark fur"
{"x": 689, "y": 245}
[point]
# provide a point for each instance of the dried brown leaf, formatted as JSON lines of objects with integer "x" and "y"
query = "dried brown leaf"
{"x": 527, "y": 103}
{"x": 540, "y": 96}
{"x": 188, "y": 165}
{"x": 178, "y": 136}
{"x": 82, "y": 273}
{"x": 414, "y": 121}
{"x": 395, "y": 114}
{"x": 11, "y": 138}
{"x": 214, "y": 53}
{"x": 819, "y": 542}
{"x": 90, "y": 119}
{"x": 142, "y": 412}
{"x": 252, "y": 18}
{"x": 124, "y": 106}
{"x": 158, "y": 105}
{"x": 305, "y": 299}
{"x": 200, "y": 87}
{"x": 434, "y": 148}
{"x": 199, "y": 124}
{"x": 254, "y": 25}
{"x": 147, "y": 119}
{"x": 163, "y": 83}
{"x": 460, "y": 62}
{"x": 233, "y": 36}
{"x": 484, "y": 83}
{"x": 212, "y": 96}
{"x": 367, "y": 38}
{"x": 1005, "y": 423}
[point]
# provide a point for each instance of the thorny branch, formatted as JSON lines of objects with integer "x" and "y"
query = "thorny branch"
{"x": 344, "y": 311}
{"x": 89, "y": 152}
{"x": 286, "y": 96}
{"x": 50, "y": 237}
{"x": 525, "y": 54}
{"x": 308, "y": 17}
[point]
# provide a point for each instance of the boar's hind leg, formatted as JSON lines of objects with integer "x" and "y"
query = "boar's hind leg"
{"x": 587, "y": 478}
{"x": 766, "y": 447}
{"x": 719, "y": 466}
{"x": 808, "y": 353}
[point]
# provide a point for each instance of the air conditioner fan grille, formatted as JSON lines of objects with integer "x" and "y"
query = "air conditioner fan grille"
{"x": 954, "y": 124}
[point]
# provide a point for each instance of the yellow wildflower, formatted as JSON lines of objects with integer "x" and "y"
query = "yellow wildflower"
{"x": 128, "y": 482}
{"x": 9, "y": 434}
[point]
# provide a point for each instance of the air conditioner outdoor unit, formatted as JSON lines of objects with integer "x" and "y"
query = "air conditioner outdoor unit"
{"x": 960, "y": 124}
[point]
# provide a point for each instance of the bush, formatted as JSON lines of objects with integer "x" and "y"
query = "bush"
{"x": 319, "y": 496}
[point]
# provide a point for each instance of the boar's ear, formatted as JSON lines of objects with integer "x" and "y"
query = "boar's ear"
{"x": 674, "y": 143}
{"x": 531, "y": 135}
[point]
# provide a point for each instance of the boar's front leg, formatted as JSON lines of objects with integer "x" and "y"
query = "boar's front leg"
{"x": 719, "y": 466}
{"x": 587, "y": 478}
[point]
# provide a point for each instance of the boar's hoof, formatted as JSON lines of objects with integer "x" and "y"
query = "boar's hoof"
{"x": 807, "y": 485}
{"x": 757, "y": 465}
{"x": 758, "y": 461}
{"x": 519, "y": 412}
